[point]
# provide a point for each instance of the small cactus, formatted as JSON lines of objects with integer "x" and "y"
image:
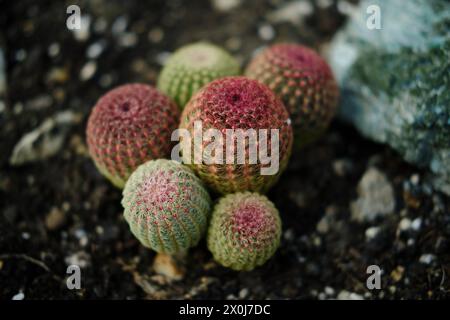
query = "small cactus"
{"x": 166, "y": 206}
{"x": 244, "y": 232}
{"x": 238, "y": 103}
{"x": 128, "y": 126}
{"x": 305, "y": 83}
{"x": 193, "y": 66}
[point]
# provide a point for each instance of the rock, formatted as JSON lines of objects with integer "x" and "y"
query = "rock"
{"x": 345, "y": 295}
{"x": 394, "y": 81}
{"x": 19, "y": 296}
{"x": 342, "y": 167}
{"x": 167, "y": 266}
{"x": 293, "y": 12}
{"x": 266, "y": 32}
{"x": 225, "y": 5}
{"x": 55, "y": 219}
{"x": 427, "y": 258}
{"x": 155, "y": 35}
{"x": 81, "y": 259}
{"x": 371, "y": 233}
{"x": 88, "y": 70}
{"x": 376, "y": 197}
{"x": 46, "y": 140}
{"x": 397, "y": 273}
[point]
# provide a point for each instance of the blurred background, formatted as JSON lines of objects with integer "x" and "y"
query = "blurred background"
{"x": 57, "y": 210}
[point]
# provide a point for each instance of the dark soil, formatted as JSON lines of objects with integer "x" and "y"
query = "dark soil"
{"x": 58, "y": 211}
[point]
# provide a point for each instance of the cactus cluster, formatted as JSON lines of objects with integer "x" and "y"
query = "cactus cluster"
{"x": 193, "y": 66}
{"x": 245, "y": 231}
{"x": 166, "y": 206}
{"x": 237, "y": 103}
{"x": 305, "y": 83}
{"x": 128, "y": 126}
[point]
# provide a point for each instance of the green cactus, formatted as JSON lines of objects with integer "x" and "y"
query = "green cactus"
{"x": 244, "y": 232}
{"x": 166, "y": 206}
{"x": 193, "y": 66}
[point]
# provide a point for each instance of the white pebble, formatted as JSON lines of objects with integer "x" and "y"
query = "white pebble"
{"x": 416, "y": 224}
{"x": 266, "y": 32}
{"x": 119, "y": 25}
{"x": 372, "y": 232}
{"x": 94, "y": 50}
{"x": 427, "y": 258}
{"x": 88, "y": 70}
{"x": 54, "y": 49}
{"x": 19, "y": 296}
{"x": 405, "y": 224}
{"x": 329, "y": 291}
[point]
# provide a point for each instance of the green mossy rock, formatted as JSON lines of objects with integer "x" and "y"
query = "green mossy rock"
{"x": 395, "y": 81}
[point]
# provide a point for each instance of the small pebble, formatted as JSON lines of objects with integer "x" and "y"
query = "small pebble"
{"x": 19, "y": 296}
{"x": 243, "y": 293}
{"x": 21, "y": 55}
{"x": 95, "y": 50}
{"x": 416, "y": 224}
{"x": 128, "y": 39}
{"x": 346, "y": 295}
{"x": 162, "y": 57}
{"x": 54, "y": 49}
{"x": 329, "y": 291}
{"x": 54, "y": 219}
{"x": 427, "y": 258}
{"x": 167, "y": 266}
{"x": 266, "y": 32}
{"x": 155, "y": 35}
{"x": 88, "y": 70}
{"x": 372, "y": 232}
{"x": 119, "y": 25}
{"x": 405, "y": 224}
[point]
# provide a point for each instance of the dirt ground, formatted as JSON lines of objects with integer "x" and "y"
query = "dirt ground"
{"x": 58, "y": 210}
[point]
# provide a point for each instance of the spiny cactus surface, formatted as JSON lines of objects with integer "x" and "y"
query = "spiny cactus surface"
{"x": 129, "y": 125}
{"x": 166, "y": 206}
{"x": 193, "y": 66}
{"x": 245, "y": 231}
{"x": 305, "y": 83}
{"x": 238, "y": 103}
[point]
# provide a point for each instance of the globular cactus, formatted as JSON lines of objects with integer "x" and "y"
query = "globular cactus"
{"x": 305, "y": 83}
{"x": 193, "y": 66}
{"x": 128, "y": 126}
{"x": 238, "y": 103}
{"x": 245, "y": 231}
{"x": 166, "y": 206}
